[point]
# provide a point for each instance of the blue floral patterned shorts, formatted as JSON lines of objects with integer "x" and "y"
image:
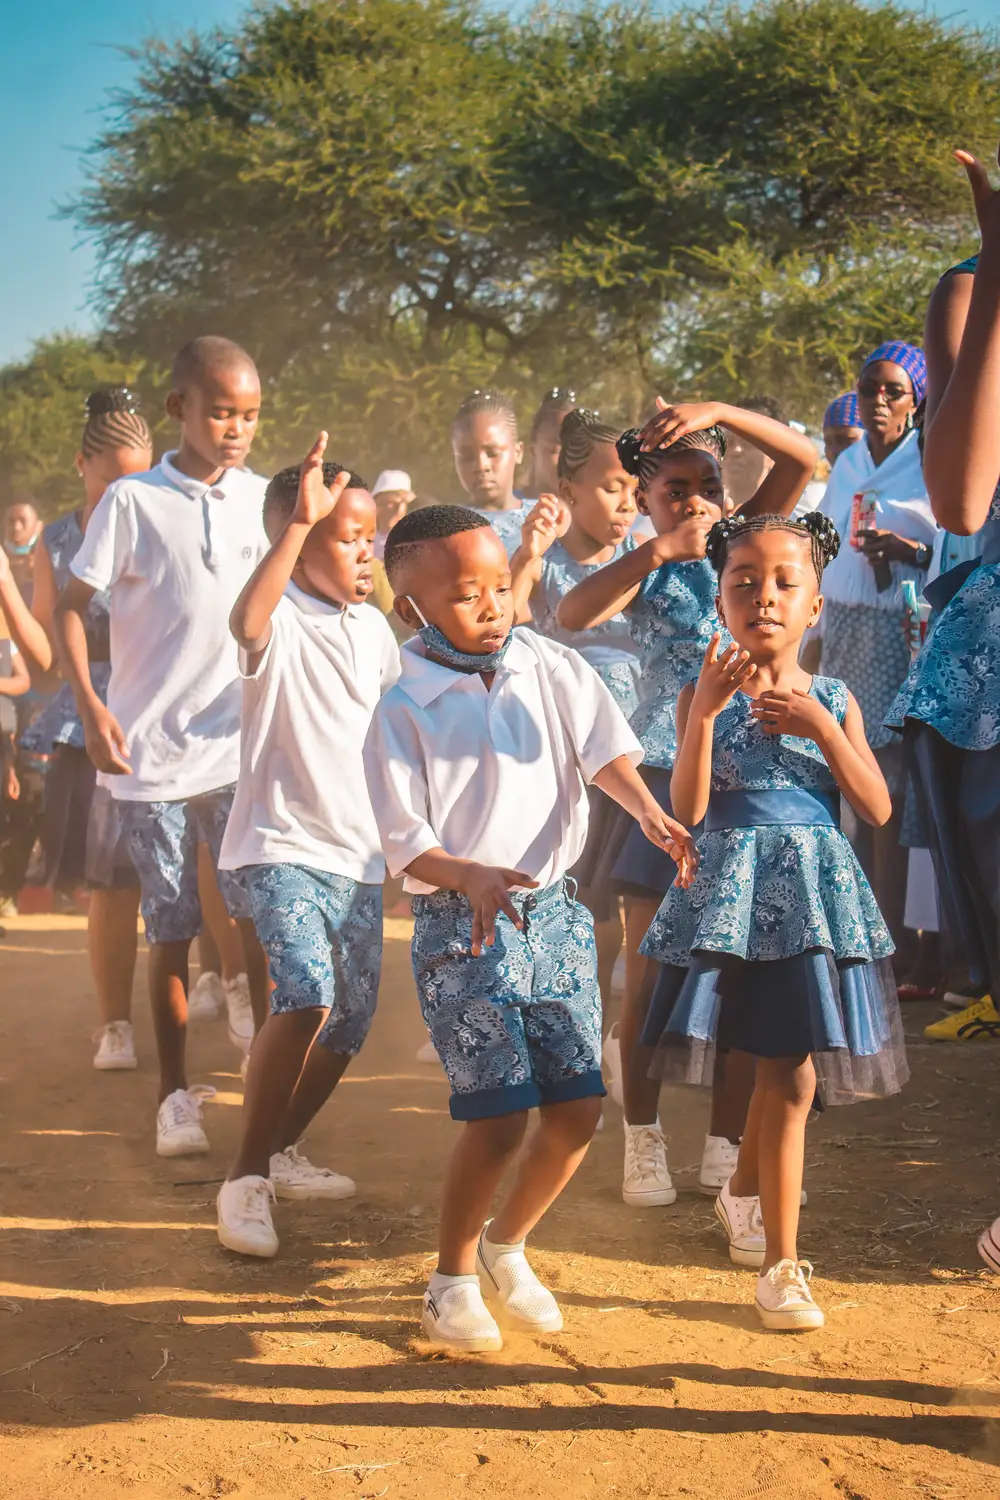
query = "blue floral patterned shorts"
{"x": 322, "y": 935}
{"x": 162, "y": 839}
{"x": 521, "y": 1024}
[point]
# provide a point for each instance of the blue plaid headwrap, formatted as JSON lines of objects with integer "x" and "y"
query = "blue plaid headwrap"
{"x": 843, "y": 412}
{"x": 909, "y": 358}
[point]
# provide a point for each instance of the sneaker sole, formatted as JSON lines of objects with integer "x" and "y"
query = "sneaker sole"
{"x": 182, "y": 1150}
{"x": 506, "y": 1319}
{"x": 241, "y": 1247}
{"x": 795, "y": 1320}
{"x": 488, "y": 1344}
{"x": 116, "y": 1067}
{"x": 301, "y": 1193}
{"x": 657, "y": 1198}
{"x": 989, "y": 1249}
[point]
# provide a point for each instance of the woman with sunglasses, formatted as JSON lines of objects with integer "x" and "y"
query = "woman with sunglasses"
{"x": 878, "y": 502}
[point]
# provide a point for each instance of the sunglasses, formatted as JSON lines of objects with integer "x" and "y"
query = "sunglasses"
{"x": 871, "y": 390}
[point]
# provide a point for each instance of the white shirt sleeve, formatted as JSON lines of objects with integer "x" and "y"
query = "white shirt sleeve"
{"x": 598, "y": 730}
{"x": 390, "y": 657}
{"x": 397, "y": 784}
{"x": 107, "y": 542}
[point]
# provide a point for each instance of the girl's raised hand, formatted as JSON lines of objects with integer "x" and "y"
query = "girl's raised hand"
{"x": 720, "y": 677}
{"x": 545, "y": 522}
{"x": 797, "y": 713}
{"x": 673, "y": 422}
{"x": 314, "y": 500}
{"x": 985, "y": 197}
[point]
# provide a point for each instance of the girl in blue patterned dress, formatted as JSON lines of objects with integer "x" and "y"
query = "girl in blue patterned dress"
{"x": 778, "y": 949}
{"x": 666, "y": 589}
{"x": 80, "y": 830}
{"x": 949, "y": 705}
{"x": 564, "y": 540}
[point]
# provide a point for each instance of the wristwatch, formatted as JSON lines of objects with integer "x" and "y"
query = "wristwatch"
{"x": 923, "y": 556}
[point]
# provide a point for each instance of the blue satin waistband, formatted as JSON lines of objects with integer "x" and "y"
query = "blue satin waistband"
{"x": 760, "y": 809}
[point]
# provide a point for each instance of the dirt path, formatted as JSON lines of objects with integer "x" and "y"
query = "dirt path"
{"x": 139, "y": 1358}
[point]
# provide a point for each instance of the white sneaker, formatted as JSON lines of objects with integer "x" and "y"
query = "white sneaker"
{"x": 244, "y": 1217}
{"x": 178, "y": 1122}
{"x": 116, "y": 1047}
{"x": 428, "y": 1054}
{"x": 646, "y": 1181}
{"x": 740, "y": 1218}
{"x": 612, "y": 1051}
{"x": 718, "y": 1163}
{"x": 294, "y": 1176}
{"x": 207, "y": 1000}
{"x": 510, "y": 1286}
{"x": 989, "y": 1245}
{"x": 784, "y": 1300}
{"x": 241, "y": 1027}
{"x": 456, "y": 1317}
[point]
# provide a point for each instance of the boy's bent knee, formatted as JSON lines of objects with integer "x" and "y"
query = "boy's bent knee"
{"x": 500, "y": 1134}
{"x": 575, "y": 1120}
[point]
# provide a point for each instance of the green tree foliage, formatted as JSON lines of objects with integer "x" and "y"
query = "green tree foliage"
{"x": 391, "y": 201}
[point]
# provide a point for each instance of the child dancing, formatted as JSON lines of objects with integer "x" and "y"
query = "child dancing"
{"x": 478, "y": 762}
{"x": 778, "y": 948}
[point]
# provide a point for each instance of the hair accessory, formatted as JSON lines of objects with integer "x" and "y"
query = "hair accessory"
{"x": 909, "y": 358}
{"x": 843, "y": 412}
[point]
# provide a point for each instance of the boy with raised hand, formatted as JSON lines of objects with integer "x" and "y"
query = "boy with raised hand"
{"x": 315, "y": 659}
{"x": 175, "y": 546}
{"x": 478, "y": 762}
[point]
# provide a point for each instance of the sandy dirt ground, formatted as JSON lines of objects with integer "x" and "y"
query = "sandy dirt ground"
{"x": 138, "y": 1358}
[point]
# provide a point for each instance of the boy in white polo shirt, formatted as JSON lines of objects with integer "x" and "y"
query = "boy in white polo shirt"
{"x": 478, "y": 762}
{"x": 315, "y": 659}
{"x": 175, "y": 546}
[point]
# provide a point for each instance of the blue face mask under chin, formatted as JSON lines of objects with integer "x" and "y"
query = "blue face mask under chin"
{"x": 441, "y": 650}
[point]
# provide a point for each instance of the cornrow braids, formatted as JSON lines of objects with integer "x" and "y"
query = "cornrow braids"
{"x": 645, "y": 465}
{"x": 555, "y": 403}
{"x": 581, "y": 432}
{"x": 493, "y": 402}
{"x": 114, "y": 420}
{"x": 817, "y": 529}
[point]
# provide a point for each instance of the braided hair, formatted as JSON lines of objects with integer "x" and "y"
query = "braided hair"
{"x": 820, "y": 532}
{"x": 581, "y": 432}
{"x": 555, "y": 403}
{"x": 645, "y": 466}
{"x": 114, "y": 420}
{"x": 493, "y": 402}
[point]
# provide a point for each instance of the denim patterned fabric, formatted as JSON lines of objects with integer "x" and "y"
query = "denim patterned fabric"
{"x": 322, "y": 934}
{"x": 608, "y": 648}
{"x": 771, "y": 892}
{"x": 59, "y": 723}
{"x": 954, "y": 684}
{"x": 867, "y": 648}
{"x": 162, "y": 839}
{"x": 521, "y": 1024}
{"x": 672, "y": 619}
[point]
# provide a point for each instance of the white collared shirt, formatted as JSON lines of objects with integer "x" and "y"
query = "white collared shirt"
{"x": 301, "y": 798}
{"x": 175, "y": 554}
{"x": 499, "y": 777}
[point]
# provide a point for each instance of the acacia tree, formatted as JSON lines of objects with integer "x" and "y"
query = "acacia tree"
{"x": 391, "y": 200}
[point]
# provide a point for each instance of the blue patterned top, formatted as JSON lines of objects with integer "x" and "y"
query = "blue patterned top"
{"x": 59, "y": 723}
{"x": 507, "y": 524}
{"x": 954, "y": 684}
{"x": 672, "y": 619}
{"x": 772, "y": 891}
{"x": 609, "y": 647}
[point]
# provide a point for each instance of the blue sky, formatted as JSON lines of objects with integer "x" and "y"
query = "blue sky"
{"x": 59, "y": 62}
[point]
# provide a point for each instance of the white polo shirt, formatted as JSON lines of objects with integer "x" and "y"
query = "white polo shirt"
{"x": 301, "y": 798}
{"x": 499, "y": 777}
{"x": 175, "y": 554}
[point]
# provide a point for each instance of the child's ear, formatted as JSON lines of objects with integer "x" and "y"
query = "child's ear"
{"x": 518, "y": 454}
{"x": 78, "y": 464}
{"x": 565, "y": 492}
{"x": 719, "y": 610}
{"x": 817, "y": 609}
{"x": 175, "y": 406}
{"x": 404, "y": 609}
{"x": 640, "y": 503}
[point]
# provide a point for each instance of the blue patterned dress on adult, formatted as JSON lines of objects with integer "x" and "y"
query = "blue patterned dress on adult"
{"x": 778, "y": 948}
{"x": 80, "y": 835}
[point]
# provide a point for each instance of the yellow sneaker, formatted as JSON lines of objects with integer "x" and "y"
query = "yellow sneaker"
{"x": 976, "y": 1023}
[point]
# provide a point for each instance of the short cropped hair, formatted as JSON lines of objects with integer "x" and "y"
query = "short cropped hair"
{"x": 432, "y": 524}
{"x": 207, "y": 352}
{"x": 283, "y": 491}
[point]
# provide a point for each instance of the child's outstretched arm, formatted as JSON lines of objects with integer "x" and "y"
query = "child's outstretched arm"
{"x": 962, "y": 339}
{"x": 250, "y": 620}
{"x": 844, "y": 747}
{"x": 792, "y": 454}
{"x": 620, "y": 780}
{"x": 698, "y": 707}
{"x": 541, "y": 527}
{"x": 612, "y": 588}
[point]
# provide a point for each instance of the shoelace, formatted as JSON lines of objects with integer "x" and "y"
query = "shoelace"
{"x": 647, "y": 1145}
{"x": 116, "y": 1033}
{"x": 256, "y": 1199}
{"x": 185, "y": 1104}
{"x": 238, "y": 998}
{"x": 790, "y": 1275}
